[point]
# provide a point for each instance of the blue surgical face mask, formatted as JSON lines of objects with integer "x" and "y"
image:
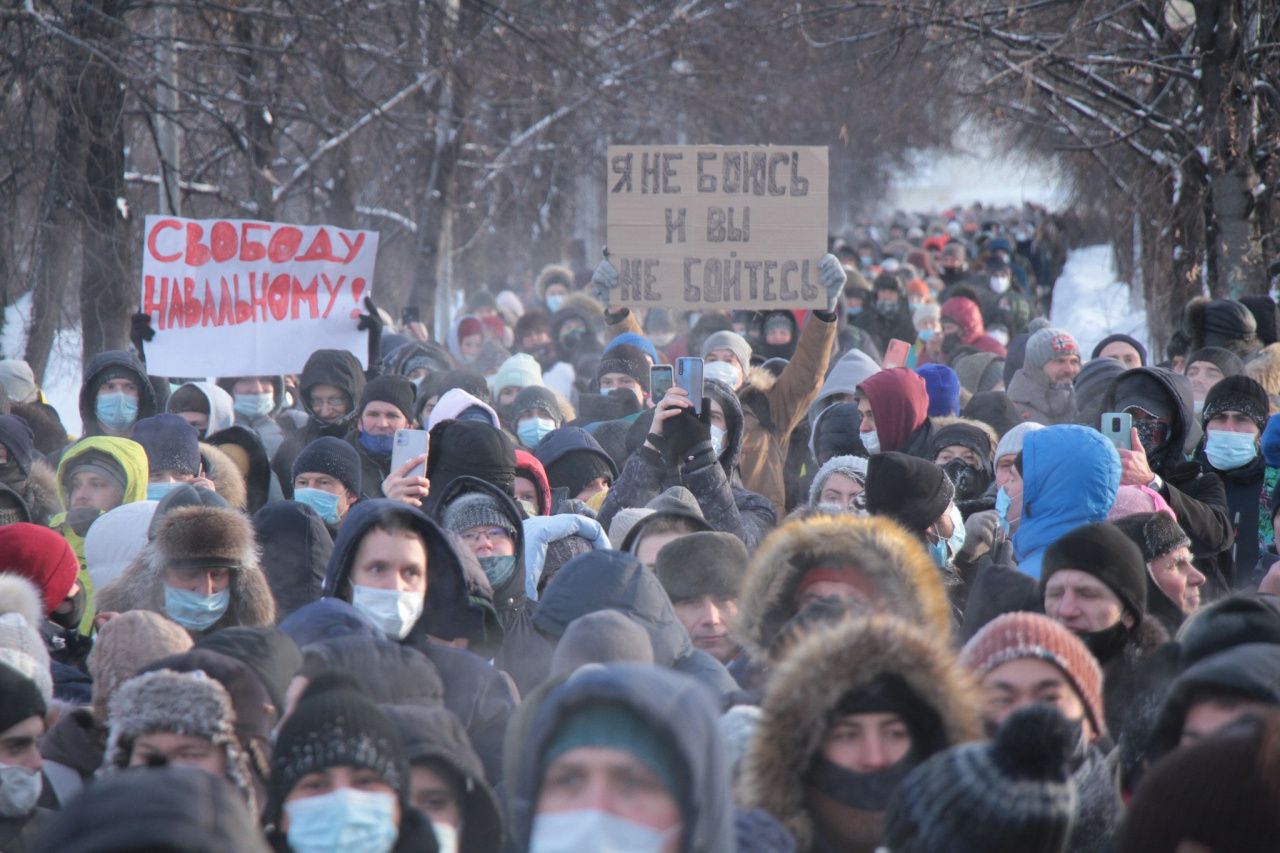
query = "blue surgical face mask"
{"x": 955, "y": 542}
{"x": 394, "y": 611}
{"x": 925, "y": 334}
{"x": 853, "y": 311}
{"x": 379, "y": 444}
{"x": 344, "y": 819}
{"x": 531, "y": 431}
{"x": 1003, "y": 502}
{"x": 116, "y": 411}
{"x": 194, "y": 611}
{"x": 554, "y": 302}
{"x": 255, "y": 405}
{"x": 157, "y": 491}
{"x": 871, "y": 441}
{"x": 590, "y": 829}
{"x": 498, "y": 569}
{"x": 938, "y": 552}
{"x": 324, "y": 503}
{"x": 1227, "y": 450}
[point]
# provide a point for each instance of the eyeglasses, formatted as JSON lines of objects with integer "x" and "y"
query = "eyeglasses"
{"x": 328, "y": 402}
{"x": 492, "y": 534}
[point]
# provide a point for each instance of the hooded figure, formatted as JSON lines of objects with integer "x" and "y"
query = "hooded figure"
{"x": 416, "y": 361}
{"x": 574, "y": 461}
{"x": 103, "y": 367}
{"x": 1167, "y": 430}
{"x": 835, "y": 432}
{"x": 468, "y": 448}
{"x": 245, "y": 451}
{"x": 970, "y": 332}
{"x": 475, "y": 691}
{"x": 843, "y": 380}
{"x": 1070, "y": 477}
{"x": 196, "y": 539}
{"x": 660, "y": 718}
{"x": 28, "y": 486}
{"x": 603, "y": 580}
{"x": 338, "y": 369}
{"x": 296, "y": 547}
{"x": 872, "y": 563}
{"x": 530, "y": 470}
{"x": 899, "y": 412}
{"x": 204, "y": 405}
{"x": 712, "y": 478}
{"x": 1092, "y": 383}
{"x": 874, "y": 665}
{"x": 980, "y": 371}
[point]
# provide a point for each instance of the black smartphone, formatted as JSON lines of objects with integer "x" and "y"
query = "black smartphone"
{"x": 661, "y": 379}
{"x": 689, "y": 377}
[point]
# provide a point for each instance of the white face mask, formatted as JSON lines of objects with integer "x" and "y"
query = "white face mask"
{"x": 871, "y": 441}
{"x": 571, "y": 832}
{"x": 393, "y": 611}
{"x": 723, "y": 371}
{"x": 999, "y": 283}
{"x": 1000, "y": 336}
{"x": 343, "y": 819}
{"x": 717, "y": 440}
{"x": 446, "y": 836}
{"x": 20, "y": 789}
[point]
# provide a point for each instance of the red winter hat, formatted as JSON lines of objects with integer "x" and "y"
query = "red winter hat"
{"x": 43, "y": 557}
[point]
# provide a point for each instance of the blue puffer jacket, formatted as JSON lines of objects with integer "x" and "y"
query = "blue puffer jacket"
{"x": 1070, "y": 478}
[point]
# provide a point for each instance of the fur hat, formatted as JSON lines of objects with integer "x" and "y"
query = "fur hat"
{"x": 1017, "y": 636}
{"x": 1221, "y": 323}
{"x": 702, "y": 564}
{"x": 1011, "y": 795}
{"x": 125, "y": 645}
{"x": 1264, "y": 368}
{"x": 188, "y": 703}
{"x": 553, "y": 274}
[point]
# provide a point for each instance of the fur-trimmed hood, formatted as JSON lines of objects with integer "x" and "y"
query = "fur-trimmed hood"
{"x": 893, "y": 560}
{"x": 42, "y": 492}
{"x": 816, "y": 675}
{"x": 1264, "y": 368}
{"x": 196, "y": 532}
{"x": 226, "y": 476}
{"x": 939, "y": 422}
{"x": 19, "y": 595}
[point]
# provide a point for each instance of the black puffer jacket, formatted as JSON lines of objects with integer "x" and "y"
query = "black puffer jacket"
{"x": 725, "y": 504}
{"x": 296, "y": 548}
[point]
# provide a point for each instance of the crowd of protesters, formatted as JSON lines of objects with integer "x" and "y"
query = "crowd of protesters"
{"x": 996, "y": 595}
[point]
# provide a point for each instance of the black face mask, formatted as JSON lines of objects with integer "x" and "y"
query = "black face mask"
{"x": 1153, "y": 435}
{"x": 869, "y": 792}
{"x": 1107, "y": 643}
{"x": 71, "y": 618}
{"x": 13, "y": 476}
{"x": 950, "y": 342}
{"x": 970, "y": 482}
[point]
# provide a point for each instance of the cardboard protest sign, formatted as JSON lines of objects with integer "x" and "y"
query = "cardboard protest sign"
{"x": 717, "y": 226}
{"x": 235, "y": 297}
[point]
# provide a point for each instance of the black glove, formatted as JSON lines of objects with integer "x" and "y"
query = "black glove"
{"x": 686, "y": 432}
{"x": 373, "y": 323}
{"x": 140, "y": 331}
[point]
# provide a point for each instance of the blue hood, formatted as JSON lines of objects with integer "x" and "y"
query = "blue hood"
{"x": 1070, "y": 478}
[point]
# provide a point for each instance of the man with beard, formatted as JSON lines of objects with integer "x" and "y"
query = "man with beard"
{"x": 1094, "y": 582}
{"x": 1043, "y": 388}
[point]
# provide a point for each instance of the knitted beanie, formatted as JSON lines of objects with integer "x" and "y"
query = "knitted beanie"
{"x": 22, "y": 648}
{"x": 625, "y": 359}
{"x": 1105, "y": 552}
{"x": 731, "y": 341}
{"x": 853, "y": 467}
{"x": 475, "y": 509}
{"x": 1011, "y": 442}
{"x": 1124, "y": 339}
{"x": 701, "y": 564}
{"x": 17, "y": 380}
{"x": 1155, "y": 533}
{"x": 625, "y": 519}
{"x": 537, "y": 397}
{"x": 914, "y": 492}
{"x": 334, "y": 725}
{"x": 606, "y": 724}
{"x": 332, "y": 456}
{"x": 576, "y": 468}
{"x": 125, "y": 645}
{"x": 389, "y": 388}
{"x": 42, "y": 556}
{"x": 943, "y": 386}
{"x": 1020, "y": 635}
{"x": 1223, "y": 359}
{"x": 1237, "y": 394}
{"x": 640, "y": 342}
{"x": 171, "y": 443}
{"x": 1011, "y": 795}
{"x": 1221, "y": 793}
{"x": 1046, "y": 345}
{"x": 519, "y": 371}
{"x": 23, "y": 699}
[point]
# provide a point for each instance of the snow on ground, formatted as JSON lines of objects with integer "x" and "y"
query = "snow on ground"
{"x": 61, "y": 384}
{"x": 1091, "y": 304}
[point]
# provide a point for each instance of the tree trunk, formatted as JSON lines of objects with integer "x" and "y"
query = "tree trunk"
{"x": 259, "y": 130}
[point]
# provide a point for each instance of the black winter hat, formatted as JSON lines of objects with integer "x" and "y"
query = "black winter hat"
{"x": 22, "y": 698}
{"x": 171, "y": 443}
{"x": 537, "y": 397}
{"x": 1237, "y": 394}
{"x": 1265, "y": 314}
{"x": 1124, "y": 339}
{"x": 16, "y": 435}
{"x": 963, "y": 435}
{"x": 572, "y": 458}
{"x": 914, "y": 492}
{"x": 1225, "y": 360}
{"x": 1010, "y": 795}
{"x": 1105, "y": 552}
{"x": 993, "y": 408}
{"x": 1227, "y": 321}
{"x": 332, "y": 456}
{"x": 628, "y": 359}
{"x": 1229, "y": 622}
{"x": 334, "y": 725}
{"x": 469, "y": 448}
{"x": 702, "y": 564}
{"x": 1155, "y": 533}
{"x": 389, "y": 388}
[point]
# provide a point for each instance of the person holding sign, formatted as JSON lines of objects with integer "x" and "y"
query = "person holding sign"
{"x": 771, "y": 408}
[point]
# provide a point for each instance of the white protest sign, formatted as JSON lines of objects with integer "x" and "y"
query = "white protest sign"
{"x": 237, "y": 297}
{"x": 718, "y": 226}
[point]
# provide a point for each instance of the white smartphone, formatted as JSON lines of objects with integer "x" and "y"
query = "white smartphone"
{"x": 407, "y": 444}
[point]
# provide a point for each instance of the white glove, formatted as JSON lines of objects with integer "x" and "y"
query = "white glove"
{"x": 833, "y": 278}
{"x": 604, "y": 280}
